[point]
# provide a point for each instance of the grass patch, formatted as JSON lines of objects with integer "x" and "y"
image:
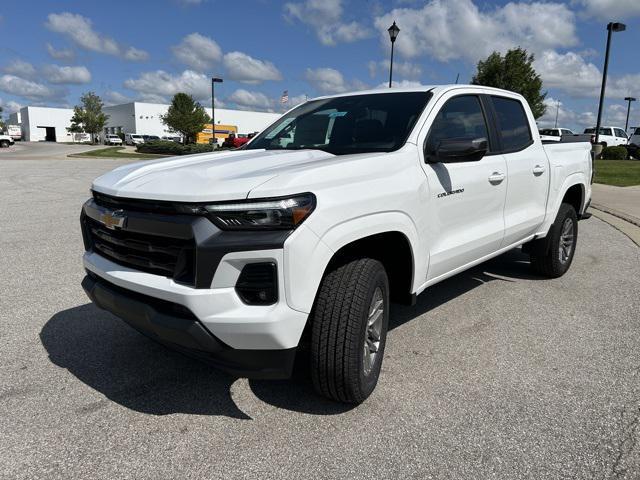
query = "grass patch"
{"x": 621, "y": 173}
{"x": 114, "y": 152}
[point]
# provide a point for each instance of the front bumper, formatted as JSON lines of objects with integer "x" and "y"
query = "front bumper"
{"x": 177, "y": 327}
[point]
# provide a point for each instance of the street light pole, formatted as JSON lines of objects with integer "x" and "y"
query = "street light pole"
{"x": 611, "y": 27}
{"x": 214, "y": 141}
{"x": 629, "y": 100}
{"x": 393, "y": 34}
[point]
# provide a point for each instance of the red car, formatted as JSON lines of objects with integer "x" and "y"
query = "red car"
{"x": 236, "y": 141}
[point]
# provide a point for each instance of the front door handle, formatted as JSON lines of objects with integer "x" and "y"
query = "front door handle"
{"x": 496, "y": 178}
{"x": 538, "y": 170}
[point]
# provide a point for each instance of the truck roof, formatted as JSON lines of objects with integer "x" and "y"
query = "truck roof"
{"x": 436, "y": 89}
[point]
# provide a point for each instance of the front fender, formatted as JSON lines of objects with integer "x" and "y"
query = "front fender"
{"x": 307, "y": 255}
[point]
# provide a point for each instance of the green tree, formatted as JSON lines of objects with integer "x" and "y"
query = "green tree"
{"x": 514, "y": 71}
{"x": 88, "y": 116}
{"x": 185, "y": 116}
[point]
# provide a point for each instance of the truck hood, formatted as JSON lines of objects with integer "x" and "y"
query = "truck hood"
{"x": 205, "y": 177}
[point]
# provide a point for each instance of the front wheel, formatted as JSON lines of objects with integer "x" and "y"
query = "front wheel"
{"x": 349, "y": 330}
{"x": 4, "y": 144}
{"x": 555, "y": 258}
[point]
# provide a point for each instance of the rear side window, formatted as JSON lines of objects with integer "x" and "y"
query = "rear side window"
{"x": 513, "y": 124}
{"x": 460, "y": 118}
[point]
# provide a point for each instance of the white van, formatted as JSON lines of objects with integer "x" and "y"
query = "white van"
{"x": 133, "y": 139}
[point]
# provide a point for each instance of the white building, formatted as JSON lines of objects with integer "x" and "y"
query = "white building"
{"x": 145, "y": 119}
{"x": 44, "y": 124}
{"x": 50, "y": 124}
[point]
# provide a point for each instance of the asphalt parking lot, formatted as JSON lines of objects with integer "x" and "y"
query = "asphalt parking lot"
{"x": 496, "y": 373}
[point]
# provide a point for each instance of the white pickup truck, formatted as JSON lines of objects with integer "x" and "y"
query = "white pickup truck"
{"x": 6, "y": 140}
{"x": 303, "y": 237}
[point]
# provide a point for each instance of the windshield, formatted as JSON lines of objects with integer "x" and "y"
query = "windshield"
{"x": 353, "y": 124}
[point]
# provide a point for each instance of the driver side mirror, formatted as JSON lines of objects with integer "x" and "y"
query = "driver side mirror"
{"x": 452, "y": 150}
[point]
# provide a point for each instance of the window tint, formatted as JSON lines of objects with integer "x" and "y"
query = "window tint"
{"x": 620, "y": 133}
{"x": 606, "y": 131}
{"x": 566, "y": 132}
{"x": 513, "y": 123}
{"x": 460, "y": 118}
{"x": 637, "y": 132}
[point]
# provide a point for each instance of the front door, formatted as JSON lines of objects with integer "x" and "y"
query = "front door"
{"x": 465, "y": 207}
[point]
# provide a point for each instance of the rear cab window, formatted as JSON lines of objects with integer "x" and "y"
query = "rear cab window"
{"x": 512, "y": 124}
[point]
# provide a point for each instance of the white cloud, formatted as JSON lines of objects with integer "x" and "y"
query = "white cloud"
{"x": 197, "y": 51}
{"x": 10, "y": 107}
{"x": 458, "y": 29}
{"x": 159, "y": 86}
{"x": 326, "y": 80}
{"x": 326, "y": 18}
{"x": 329, "y": 80}
{"x": 406, "y": 70}
{"x": 248, "y": 100}
{"x": 80, "y": 30}
{"x": 64, "y": 54}
{"x": 26, "y": 88}
{"x": 112, "y": 97}
{"x": 21, "y": 68}
{"x": 246, "y": 69}
{"x": 568, "y": 72}
{"x": 66, "y": 75}
{"x": 401, "y": 84}
{"x": 609, "y": 9}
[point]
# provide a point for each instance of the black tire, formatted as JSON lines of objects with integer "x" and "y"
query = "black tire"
{"x": 339, "y": 330}
{"x": 546, "y": 255}
{"x": 4, "y": 144}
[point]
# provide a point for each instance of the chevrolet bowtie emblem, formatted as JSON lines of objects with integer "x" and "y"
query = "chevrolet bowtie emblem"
{"x": 113, "y": 220}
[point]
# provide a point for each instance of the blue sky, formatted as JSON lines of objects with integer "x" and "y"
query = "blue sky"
{"x": 51, "y": 52}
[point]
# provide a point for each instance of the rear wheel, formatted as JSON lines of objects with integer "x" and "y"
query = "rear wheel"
{"x": 553, "y": 255}
{"x": 349, "y": 330}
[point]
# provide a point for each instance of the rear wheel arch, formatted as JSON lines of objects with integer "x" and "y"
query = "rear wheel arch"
{"x": 574, "y": 196}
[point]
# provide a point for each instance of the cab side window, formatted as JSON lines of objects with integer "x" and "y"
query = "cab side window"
{"x": 513, "y": 125}
{"x": 460, "y": 118}
{"x": 620, "y": 133}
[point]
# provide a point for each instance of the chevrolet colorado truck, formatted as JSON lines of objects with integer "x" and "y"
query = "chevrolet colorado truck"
{"x": 299, "y": 241}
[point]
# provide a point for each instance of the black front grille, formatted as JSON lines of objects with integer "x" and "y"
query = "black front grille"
{"x": 170, "y": 257}
{"x": 134, "y": 204}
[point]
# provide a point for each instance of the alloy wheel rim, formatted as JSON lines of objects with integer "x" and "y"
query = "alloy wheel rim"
{"x": 374, "y": 330}
{"x": 566, "y": 241}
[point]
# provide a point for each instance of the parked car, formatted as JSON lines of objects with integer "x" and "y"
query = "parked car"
{"x": 150, "y": 138}
{"x": 112, "y": 139}
{"x": 635, "y": 137}
{"x": 133, "y": 139}
{"x": 371, "y": 198}
{"x": 609, "y": 136}
{"x": 175, "y": 139}
{"x": 554, "y": 134}
{"x": 235, "y": 141}
{"x": 6, "y": 140}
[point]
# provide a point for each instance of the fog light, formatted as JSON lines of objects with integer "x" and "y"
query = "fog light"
{"x": 258, "y": 284}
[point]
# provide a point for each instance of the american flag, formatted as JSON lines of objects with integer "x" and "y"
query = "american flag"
{"x": 285, "y": 97}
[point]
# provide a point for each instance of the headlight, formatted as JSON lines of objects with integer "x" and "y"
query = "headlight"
{"x": 263, "y": 214}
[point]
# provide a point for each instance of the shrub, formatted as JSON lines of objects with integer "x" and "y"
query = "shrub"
{"x": 615, "y": 153}
{"x": 163, "y": 147}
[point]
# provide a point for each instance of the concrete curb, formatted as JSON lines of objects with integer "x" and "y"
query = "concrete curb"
{"x": 617, "y": 213}
{"x": 629, "y": 228}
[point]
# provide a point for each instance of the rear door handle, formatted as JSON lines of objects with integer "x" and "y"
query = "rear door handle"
{"x": 496, "y": 178}
{"x": 538, "y": 170}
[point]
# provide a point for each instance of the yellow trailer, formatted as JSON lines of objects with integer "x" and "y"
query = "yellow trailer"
{"x": 222, "y": 132}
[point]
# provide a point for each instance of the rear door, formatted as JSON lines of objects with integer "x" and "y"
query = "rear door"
{"x": 621, "y": 137}
{"x": 466, "y": 199}
{"x": 527, "y": 169}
